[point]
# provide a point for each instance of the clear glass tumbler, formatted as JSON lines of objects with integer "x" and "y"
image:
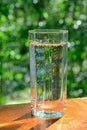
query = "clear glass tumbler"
{"x": 48, "y": 72}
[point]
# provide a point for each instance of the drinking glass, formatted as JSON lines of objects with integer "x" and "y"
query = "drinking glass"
{"x": 48, "y": 72}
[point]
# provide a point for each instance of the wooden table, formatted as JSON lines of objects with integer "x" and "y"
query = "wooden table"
{"x": 18, "y": 117}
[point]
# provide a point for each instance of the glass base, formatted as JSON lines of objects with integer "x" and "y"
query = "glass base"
{"x": 43, "y": 114}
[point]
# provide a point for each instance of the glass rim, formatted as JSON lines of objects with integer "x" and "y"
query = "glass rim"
{"x": 47, "y": 31}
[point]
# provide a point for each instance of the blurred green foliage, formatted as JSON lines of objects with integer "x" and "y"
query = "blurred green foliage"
{"x": 19, "y": 16}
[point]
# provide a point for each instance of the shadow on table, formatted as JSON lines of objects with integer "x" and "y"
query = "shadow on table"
{"x": 25, "y": 121}
{"x": 25, "y": 116}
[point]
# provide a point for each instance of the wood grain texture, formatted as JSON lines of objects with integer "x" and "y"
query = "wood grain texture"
{"x": 75, "y": 117}
{"x": 18, "y": 117}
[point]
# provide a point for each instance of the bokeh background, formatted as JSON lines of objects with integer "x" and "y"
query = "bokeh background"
{"x": 19, "y": 16}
